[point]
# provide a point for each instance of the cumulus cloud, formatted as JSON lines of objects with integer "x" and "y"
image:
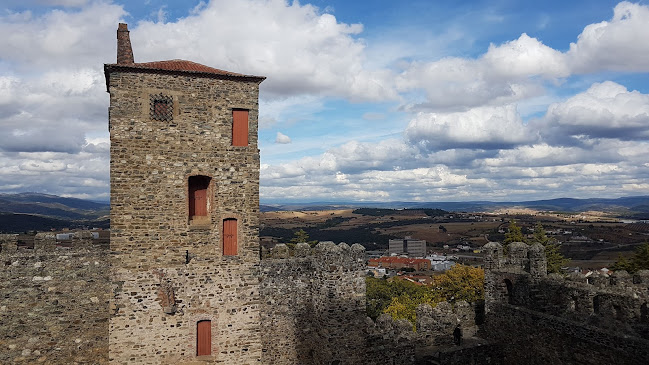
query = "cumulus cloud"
{"x": 60, "y": 39}
{"x": 518, "y": 69}
{"x": 466, "y": 138}
{"x": 282, "y": 138}
{"x": 504, "y": 74}
{"x": 619, "y": 44}
{"x": 298, "y": 47}
{"x": 478, "y": 128}
{"x": 605, "y": 110}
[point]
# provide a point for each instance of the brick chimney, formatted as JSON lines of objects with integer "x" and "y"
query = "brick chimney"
{"x": 124, "y": 50}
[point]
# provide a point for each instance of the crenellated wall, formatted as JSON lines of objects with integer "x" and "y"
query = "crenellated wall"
{"x": 563, "y": 320}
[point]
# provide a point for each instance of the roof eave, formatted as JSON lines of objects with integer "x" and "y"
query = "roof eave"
{"x": 112, "y": 67}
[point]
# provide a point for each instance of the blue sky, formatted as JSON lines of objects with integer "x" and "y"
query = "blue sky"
{"x": 364, "y": 101}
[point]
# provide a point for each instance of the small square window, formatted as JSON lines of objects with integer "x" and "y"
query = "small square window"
{"x": 161, "y": 107}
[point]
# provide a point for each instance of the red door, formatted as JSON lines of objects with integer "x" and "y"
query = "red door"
{"x": 204, "y": 338}
{"x": 198, "y": 195}
{"x": 200, "y": 202}
{"x": 230, "y": 236}
{"x": 239, "y": 127}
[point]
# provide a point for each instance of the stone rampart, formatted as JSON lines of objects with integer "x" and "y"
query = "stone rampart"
{"x": 570, "y": 312}
{"x": 313, "y": 307}
{"x": 54, "y": 302}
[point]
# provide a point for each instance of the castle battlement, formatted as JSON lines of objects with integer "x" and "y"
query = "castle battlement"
{"x": 325, "y": 255}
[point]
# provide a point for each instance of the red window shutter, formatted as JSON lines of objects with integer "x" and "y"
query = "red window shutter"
{"x": 230, "y": 237}
{"x": 239, "y": 127}
{"x": 204, "y": 338}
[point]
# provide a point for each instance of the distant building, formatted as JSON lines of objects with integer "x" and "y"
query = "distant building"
{"x": 407, "y": 246}
{"x": 400, "y": 263}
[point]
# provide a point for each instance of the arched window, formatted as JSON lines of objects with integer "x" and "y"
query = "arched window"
{"x": 229, "y": 237}
{"x": 198, "y": 197}
{"x": 204, "y": 338}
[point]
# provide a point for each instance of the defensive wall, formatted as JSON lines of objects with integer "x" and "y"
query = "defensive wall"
{"x": 57, "y": 298}
{"x": 55, "y": 308}
{"x": 543, "y": 319}
{"x": 313, "y": 312}
{"x": 54, "y": 301}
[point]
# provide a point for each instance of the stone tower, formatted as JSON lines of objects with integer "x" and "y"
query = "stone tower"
{"x": 184, "y": 212}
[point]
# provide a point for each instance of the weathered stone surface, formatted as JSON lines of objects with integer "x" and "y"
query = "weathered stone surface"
{"x": 54, "y": 303}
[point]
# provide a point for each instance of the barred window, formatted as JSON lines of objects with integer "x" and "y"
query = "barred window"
{"x": 161, "y": 107}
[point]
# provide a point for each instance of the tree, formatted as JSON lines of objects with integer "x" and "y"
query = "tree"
{"x": 301, "y": 236}
{"x": 553, "y": 256}
{"x": 623, "y": 264}
{"x": 381, "y": 292}
{"x": 639, "y": 260}
{"x": 405, "y": 307}
{"x": 514, "y": 234}
{"x": 461, "y": 282}
{"x": 400, "y": 298}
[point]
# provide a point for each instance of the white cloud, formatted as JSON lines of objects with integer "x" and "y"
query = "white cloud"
{"x": 478, "y": 128}
{"x": 504, "y": 74}
{"x": 282, "y": 138}
{"x": 619, "y": 44}
{"x": 605, "y": 110}
{"x": 60, "y": 39}
{"x": 524, "y": 57}
{"x": 300, "y": 49}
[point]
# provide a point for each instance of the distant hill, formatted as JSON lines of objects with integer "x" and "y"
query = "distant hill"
{"x": 635, "y": 206}
{"x": 34, "y": 211}
{"x": 18, "y": 223}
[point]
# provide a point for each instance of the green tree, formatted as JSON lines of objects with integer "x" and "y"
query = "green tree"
{"x": 623, "y": 264}
{"x": 301, "y": 236}
{"x": 639, "y": 260}
{"x": 380, "y": 293}
{"x": 400, "y": 298}
{"x": 405, "y": 306}
{"x": 461, "y": 282}
{"x": 553, "y": 255}
{"x": 514, "y": 233}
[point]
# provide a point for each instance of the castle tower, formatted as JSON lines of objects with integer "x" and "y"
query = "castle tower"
{"x": 184, "y": 212}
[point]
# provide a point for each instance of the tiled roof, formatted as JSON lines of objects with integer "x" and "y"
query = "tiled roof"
{"x": 401, "y": 260}
{"x": 177, "y": 66}
{"x": 182, "y": 65}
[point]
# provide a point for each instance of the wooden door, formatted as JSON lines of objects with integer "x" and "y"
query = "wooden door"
{"x": 230, "y": 236}
{"x": 198, "y": 195}
{"x": 200, "y": 202}
{"x": 204, "y": 338}
{"x": 239, "y": 127}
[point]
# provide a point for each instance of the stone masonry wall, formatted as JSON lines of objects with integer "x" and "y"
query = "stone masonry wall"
{"x": 313, "y": 309}
{"x": 168, "y": 272}
{"x": 540, "y": 318}
{"x": 53, "y": 302}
